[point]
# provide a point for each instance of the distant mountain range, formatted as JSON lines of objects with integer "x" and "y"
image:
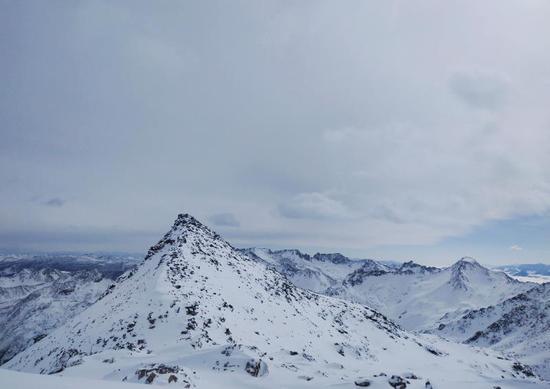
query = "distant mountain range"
{"x": 539, "y": 269}
{"x": 197, "y": 311}
{"x": 537, "y": 272}
{"x": 109, "y": 265}
{"x": 413, "y": 295}
{"x": 41, "y": 292}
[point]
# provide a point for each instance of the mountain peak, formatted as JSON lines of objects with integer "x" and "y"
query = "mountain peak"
{"x": 184, "y": 226}
{"x": 184, "y": 220}
{"x": 468, "y": 260}
{"x": 466, "y": 263}
{"x": 462, "y": 269}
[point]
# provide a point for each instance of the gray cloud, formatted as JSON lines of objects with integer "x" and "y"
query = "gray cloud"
{"x": 314, "y": 206}
{"x": 73, "y": 238}
{"x": 479, "y": 89}
{"x": 54, "y": 202}
{"x": 320, "y": 124}
{"x": 224, "y": 220}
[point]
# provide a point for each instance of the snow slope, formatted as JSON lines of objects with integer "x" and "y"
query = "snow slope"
{"x": 13, "y": 379}
{"x": 197, "y": 312}
{"x": 519, "y": 325}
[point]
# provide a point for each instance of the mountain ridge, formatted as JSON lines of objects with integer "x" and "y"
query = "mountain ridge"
{"x": 197, "y": 308}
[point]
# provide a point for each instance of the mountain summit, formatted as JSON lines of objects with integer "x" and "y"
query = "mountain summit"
{"x": 197, "y": 312}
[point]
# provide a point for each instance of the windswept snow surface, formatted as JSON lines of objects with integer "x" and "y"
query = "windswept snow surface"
{"x": 14, "y": 379}
{"x": 10, "y": 379}
{"x": 200, "y": 314}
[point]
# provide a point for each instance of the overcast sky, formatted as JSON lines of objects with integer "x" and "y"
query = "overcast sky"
{"x": 385, "y": 129}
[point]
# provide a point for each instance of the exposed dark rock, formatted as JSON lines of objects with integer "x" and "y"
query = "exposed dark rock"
{"x": 521, "y": 368}
{"x": 256, "y": 368}
{"x": 362, "y": 383}
{"x": 150, "y": 378}
{"x": 397, "y": 382}
{"x": 172, "y": 378}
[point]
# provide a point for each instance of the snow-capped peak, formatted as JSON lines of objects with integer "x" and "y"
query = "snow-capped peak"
{"x": 184, "y": 226}
{"x": 462, "y": 271}
{"x": 469, "y": 260}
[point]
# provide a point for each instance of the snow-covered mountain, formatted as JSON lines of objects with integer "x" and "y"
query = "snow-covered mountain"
{"x": 314, "y": 272}
{"x": 199, "y": 313}
{"x": 417, "y": 296}
{"x": 519, "y": 325}
{"x": 413, "y": 295}
{"x": 109, "y": 265}
{"x": 35, "y": 301}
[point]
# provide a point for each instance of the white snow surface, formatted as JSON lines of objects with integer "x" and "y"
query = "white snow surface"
{"x": 199, "y": 312}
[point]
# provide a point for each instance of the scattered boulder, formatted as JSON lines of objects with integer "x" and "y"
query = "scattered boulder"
{"x": 256, "y": 368}
{"x": 150, "y": 378}
{"x": 38, "y": 338}
{"x": 526, "y": 370}
{"x": 362, "y": 383}
{"x": 397, "y": 382}
{"x": 151, "y": 372}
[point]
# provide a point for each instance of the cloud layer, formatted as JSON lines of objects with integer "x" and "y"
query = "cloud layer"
{"x": 320, "y": 125}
